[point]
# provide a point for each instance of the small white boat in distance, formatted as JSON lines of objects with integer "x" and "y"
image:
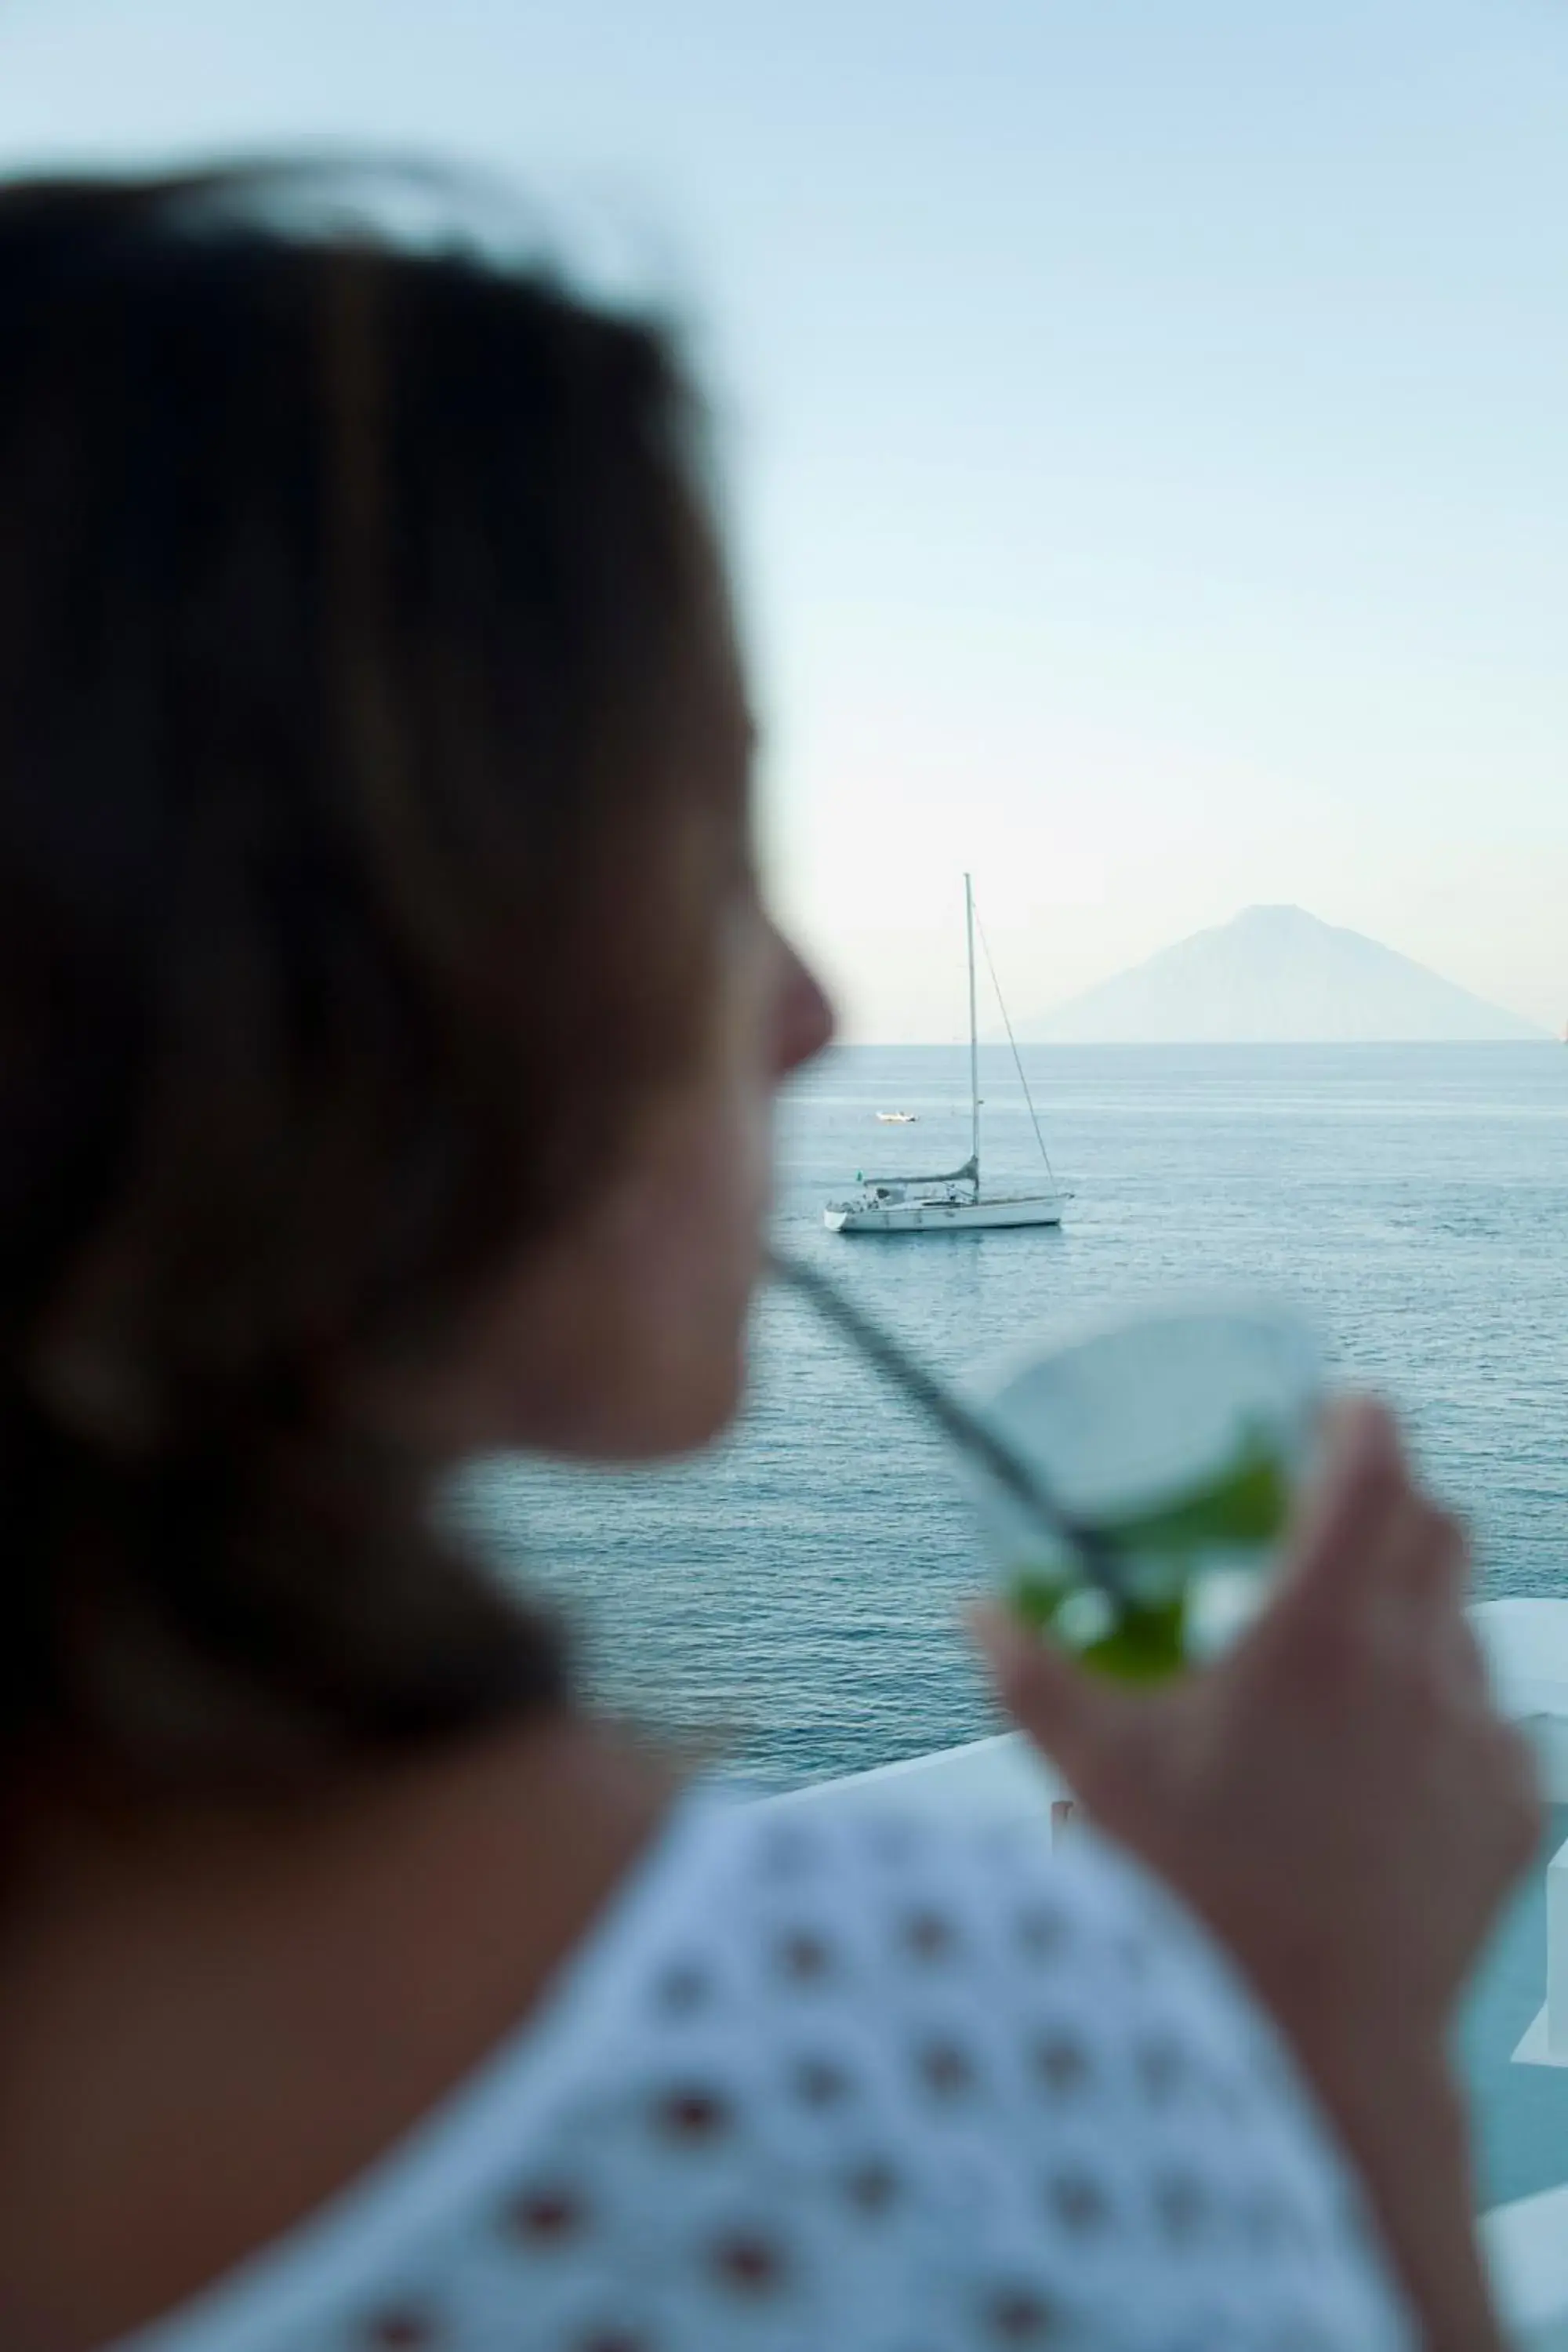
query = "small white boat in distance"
{"x": 953, "y": 1203}
{"x": 898, "y": 1118}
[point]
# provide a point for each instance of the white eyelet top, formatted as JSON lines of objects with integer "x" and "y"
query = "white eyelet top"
{"x": 827, "y": 2080}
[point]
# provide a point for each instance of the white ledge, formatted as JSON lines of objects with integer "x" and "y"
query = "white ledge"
{"x": 1002, "y": 1778}
{"x": 1526, "y": 1647}
{"x": 1526, "y": 2247}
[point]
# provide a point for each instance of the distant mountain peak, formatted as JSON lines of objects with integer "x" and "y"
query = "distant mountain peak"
{"x": 1278, "y": 916}
{"x": 1278, "y": 975}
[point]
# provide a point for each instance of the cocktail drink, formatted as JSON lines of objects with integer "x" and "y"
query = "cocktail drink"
{"x": 1178, "y": 1439}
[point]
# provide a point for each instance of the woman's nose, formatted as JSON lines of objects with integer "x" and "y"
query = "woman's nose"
{"x": 805, "y": 1021}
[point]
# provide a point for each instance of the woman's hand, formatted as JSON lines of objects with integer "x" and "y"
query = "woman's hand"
{"x": 1337, "y": 1798}
{"x": 1339, "y": 1802}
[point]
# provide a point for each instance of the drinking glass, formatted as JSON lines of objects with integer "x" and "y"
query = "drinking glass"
{"x": 1178, "y": 1438}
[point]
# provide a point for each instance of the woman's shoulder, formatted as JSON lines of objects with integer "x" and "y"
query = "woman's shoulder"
{"x": 1029, "y": 2072}
{"x": 888, "y": 1919}
{"x": 1041, "y": 1995}
{"x": 830, "y": 2074}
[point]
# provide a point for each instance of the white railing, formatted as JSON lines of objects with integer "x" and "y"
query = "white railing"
{"x": 1527, "y": 2251}
{"x": 1545, "y": 2042}
{"x": 1526, "y": 1643}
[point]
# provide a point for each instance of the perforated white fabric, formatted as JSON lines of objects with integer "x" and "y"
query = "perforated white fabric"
{"x": 829, "y": 2081}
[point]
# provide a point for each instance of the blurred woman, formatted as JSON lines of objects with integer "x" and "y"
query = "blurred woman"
{"x": 391, "y": 1027}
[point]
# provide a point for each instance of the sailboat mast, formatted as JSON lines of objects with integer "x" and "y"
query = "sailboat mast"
{"x": 973, "y": 1034}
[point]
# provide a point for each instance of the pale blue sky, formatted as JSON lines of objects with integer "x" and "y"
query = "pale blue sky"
{"x": 1146, "y": 420}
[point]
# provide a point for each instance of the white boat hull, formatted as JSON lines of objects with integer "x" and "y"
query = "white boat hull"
{"x": 939, "y": 1216}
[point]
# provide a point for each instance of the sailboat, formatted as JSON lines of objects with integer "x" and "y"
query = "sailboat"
{"x": 953, "y": 1204}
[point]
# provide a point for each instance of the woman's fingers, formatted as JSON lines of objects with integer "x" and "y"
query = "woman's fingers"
{"x": 1428, "y": 1561}
{"x": 1370, "y": 1543}
{"x": 1466, "y": 1661}
{"x": 1074, "y": 1717}
{"x": 1349, "y": 1511}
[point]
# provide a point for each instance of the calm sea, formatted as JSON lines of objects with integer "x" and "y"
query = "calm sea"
{"x": 796, "y": 1593}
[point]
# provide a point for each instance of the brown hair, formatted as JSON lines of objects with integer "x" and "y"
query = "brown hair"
{"x": 356, "y": 649}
